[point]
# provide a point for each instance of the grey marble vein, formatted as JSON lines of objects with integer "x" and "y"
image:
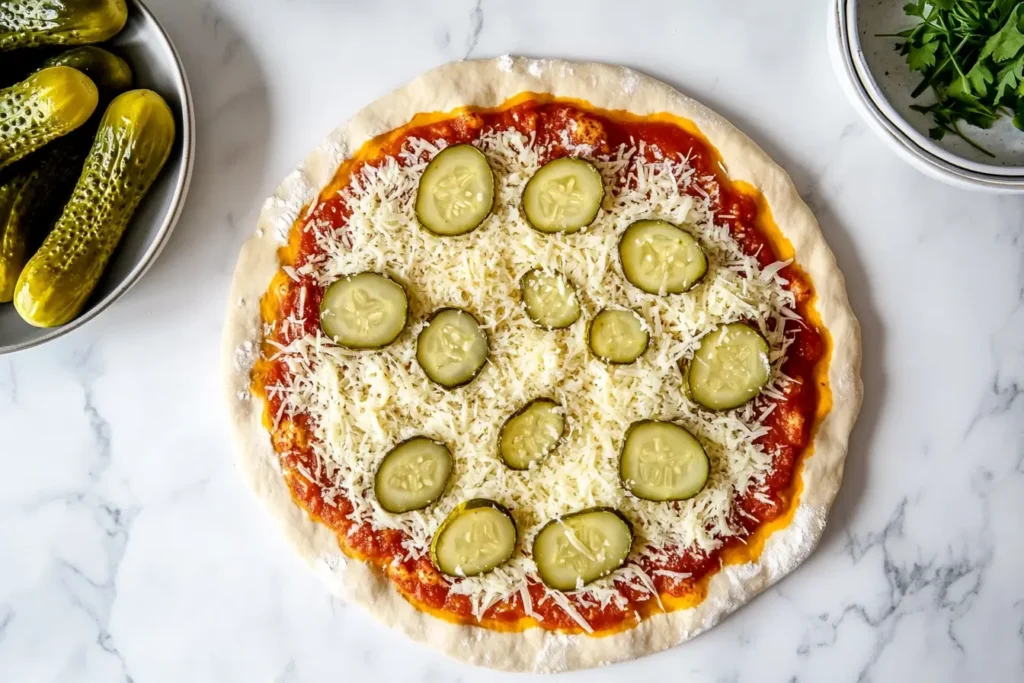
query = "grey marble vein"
{"x": 476, "y": 25}
{"x": 1001, "y": 397}
{"x": 131, "y": 551}
{"x": 5, "y": 620}
{"x": 95, "y": 595}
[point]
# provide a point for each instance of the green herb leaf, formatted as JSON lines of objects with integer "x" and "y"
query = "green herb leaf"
{"x": 982, "y": 118}
{"x": 1001, "y": 8}
{"x": 960, "y": 88}
{"x": 1018, "y": 115}
{"x": 1007, "y": 42}
{"x": 1009, "y": 77}
{"x": 970, "y": 54}
{"x": 972, "y": 85}
{"x": 979, "y": 77}
{"x": 921, "y": 57}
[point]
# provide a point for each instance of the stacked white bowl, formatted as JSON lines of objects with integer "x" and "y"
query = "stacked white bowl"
{"x": 879, "y": 83}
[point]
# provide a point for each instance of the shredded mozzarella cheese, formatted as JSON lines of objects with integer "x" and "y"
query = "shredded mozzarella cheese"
{"x": 362, "y": 404}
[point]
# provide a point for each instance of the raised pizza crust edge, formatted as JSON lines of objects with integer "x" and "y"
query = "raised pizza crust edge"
{"x": 488, "y": 83}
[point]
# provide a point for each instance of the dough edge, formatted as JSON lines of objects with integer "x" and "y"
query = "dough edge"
{"x": 488, "y": 83}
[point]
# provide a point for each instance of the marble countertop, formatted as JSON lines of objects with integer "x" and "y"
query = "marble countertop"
{"x": 131, "y": 551}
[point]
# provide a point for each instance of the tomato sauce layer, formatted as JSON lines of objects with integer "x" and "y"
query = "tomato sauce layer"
{"x": 790, "y": 426}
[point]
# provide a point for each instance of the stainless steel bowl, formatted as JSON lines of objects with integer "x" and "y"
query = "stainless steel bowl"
{"x": 156, "y": 65}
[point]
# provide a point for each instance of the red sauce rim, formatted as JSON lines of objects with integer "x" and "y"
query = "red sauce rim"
{"x": 749, "y": 219}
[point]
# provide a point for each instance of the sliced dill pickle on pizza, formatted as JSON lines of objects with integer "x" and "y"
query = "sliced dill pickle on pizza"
{"x": 477, "y": 537}
{"x": 549, "y": 299}
{"x": 452, "y": 348}
{"x": 412, "y": 475}
{"x": 662, "y": 461}
{"x": 364, "y": 311}
{"x": 564, "y": 195}
{"x": 660, "y": 258}
{"x": 456, "y": 191}
{"x": 618, "y": 336}
{"x": 532, "y": 433}
{"x": 730, "y": 367}
{"x": 582, "y": 547}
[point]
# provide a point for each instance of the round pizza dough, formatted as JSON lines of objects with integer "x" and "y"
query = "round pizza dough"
{"x": 488, "y": 83}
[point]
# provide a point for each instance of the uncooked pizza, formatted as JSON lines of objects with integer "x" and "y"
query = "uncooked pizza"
{"x": 544, "y": 363}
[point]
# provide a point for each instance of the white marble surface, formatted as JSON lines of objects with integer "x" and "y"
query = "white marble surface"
{"x": 130, "y": 550}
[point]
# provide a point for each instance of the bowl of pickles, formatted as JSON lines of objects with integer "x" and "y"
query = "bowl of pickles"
{"x": 96, "y": 149}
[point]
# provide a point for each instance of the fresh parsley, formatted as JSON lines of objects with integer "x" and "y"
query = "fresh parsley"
{"x": 971, "y": 54}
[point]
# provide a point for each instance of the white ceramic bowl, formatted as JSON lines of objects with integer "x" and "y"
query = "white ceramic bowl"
{"x": 889, "y": 83}
{"x": 868, "y": 79}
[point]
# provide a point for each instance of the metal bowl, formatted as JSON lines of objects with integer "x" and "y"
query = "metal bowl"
{"x": 156, "y": 65}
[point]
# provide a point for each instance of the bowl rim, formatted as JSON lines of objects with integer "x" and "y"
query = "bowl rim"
{"x": 916, "y": 155}
{"x": 874, "y": 91}
{"x": 170, "y": 218}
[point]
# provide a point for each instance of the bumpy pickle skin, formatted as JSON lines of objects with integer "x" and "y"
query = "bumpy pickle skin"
{"x": 38, "y": 23}
{"x": 32, "y": 194}
{"x": 131, "y": 147}
{"x": 34, "y": 190}
{"x": 45, "y": 106}
{"x": 111, "y": 74}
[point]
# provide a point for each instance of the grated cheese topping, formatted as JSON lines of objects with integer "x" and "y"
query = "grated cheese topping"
{"x": 363, "y": 403}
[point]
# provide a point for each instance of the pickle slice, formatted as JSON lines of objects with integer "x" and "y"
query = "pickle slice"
{"x": 582, "y": 547}
{"x": 549, "y": 299}
{"x": 477, "y": 537}
{"x": 660, "y": 258}
{"x": 564, "y": 195}
{"x": 412, "y": 475}
{"x": 364, "y": 311}
{"x": 456, "y": 191}
{"x": 730, "y": 367}
{"x": 452, "y": 348}
{"x": 531, "y": 434}
{"x": 618, "y": 336}
{"x": 662, "y": 461}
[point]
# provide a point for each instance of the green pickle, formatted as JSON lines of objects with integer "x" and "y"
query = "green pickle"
{"x": 14, "y": 248}
{"x": 110, "y": 73}
{"x": 32, "y": 194}
{"x": 45, "y": 106}
{"x": 35, "y": 23}
{"x": 131, "y": 147}
{"x": 33, "y": 191}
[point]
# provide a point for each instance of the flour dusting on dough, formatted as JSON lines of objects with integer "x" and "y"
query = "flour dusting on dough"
{"x": 334, "y": 562}
{"x": 630, "y": 80}
{"x": 487, "y": 84}
{"x": 246, "y": 354}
